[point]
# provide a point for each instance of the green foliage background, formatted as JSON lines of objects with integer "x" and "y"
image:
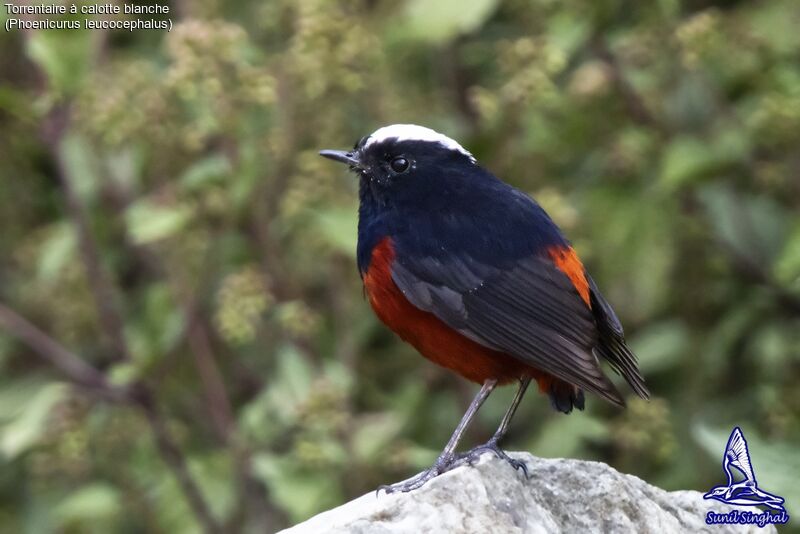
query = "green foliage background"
{"x": 664, "y": 137}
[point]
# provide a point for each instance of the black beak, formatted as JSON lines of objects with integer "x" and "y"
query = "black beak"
{"x": 341, "y": 156}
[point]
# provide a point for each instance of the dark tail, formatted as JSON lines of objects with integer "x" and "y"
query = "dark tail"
{"x": 563, "y": 396}
{"x": 623, "y": 361}
{"x": 611, "y": 346}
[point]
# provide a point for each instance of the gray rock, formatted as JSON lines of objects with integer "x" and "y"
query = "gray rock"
{"x": 560, "y": 496}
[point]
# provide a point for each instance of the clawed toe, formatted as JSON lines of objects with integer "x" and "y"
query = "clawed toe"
{"x": 408, "y": 485}
{"x": 447, "y": 463}
{"x": 472, "y": 456}
{"x": 442, "y": 465}
{"x": 518, "y": 465}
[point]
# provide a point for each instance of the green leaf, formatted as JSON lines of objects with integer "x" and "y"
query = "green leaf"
{"x": 64, "y": 56}
{"x": 339, "y": 227}
{"x": 148, "y": 222}
{"x": 292, "y": 383}
{"x": 157, "y": 326}
{"x": 214, "y": 474}
{"x": 661, "y": 346}
{"x": 772, "y": 347}
{"x": 301, "y": 493}
{"x": 437, "y": 22}
{"x": 563, "y": 436}
{"x": 730, "y": 328}
{"x": 775, "y": 23}
{"x": 253, "y": 414}
{"x": 15, "y": 394}
{"x": 124, "y": 374}
{"x": 25, "y": 430}
{"x": 56, "y": 251}
{"x": 568, "y": 31}
{"x": 688, "y": 159}
{"x": 787, "y": 266}
{"x": 16, "y": 102}
{"x": 125, "y": 167}
{"x": 753, "y": 226}
{"x": 209, "y": 170}
{"x": 89, "y": 504}
{"x": 81, "y": 166}
{"x": 374, "y": 434}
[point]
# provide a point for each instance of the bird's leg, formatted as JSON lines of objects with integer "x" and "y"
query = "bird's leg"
{"x": 445, "y": 461}
{"x": 503, "y": 428}
{"x": 493, "y": 444}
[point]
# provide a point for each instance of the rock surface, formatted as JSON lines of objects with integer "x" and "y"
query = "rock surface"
{"x": 560, "y": 496}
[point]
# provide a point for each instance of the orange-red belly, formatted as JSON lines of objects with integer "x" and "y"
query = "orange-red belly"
{"x": 432, "y": 337}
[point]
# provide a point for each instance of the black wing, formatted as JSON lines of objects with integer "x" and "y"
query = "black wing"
{"x": 530, "y": 310}
{"x": 611, "y": 346}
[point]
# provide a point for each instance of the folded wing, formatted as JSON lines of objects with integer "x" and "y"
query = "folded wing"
{"x": 529, "y": 310}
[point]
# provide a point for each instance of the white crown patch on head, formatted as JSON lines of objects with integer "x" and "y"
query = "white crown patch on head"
{"x": 413, "y": 132}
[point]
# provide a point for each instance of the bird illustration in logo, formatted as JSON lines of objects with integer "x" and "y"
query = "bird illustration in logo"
{"x": 745, "y": 492}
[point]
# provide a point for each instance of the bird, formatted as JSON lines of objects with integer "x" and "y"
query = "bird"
{"x": 476, "y": 276}
{"x": 745, "y": 492}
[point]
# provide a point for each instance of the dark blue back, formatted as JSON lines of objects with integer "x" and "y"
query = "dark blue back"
{"x": 461, "y": 211}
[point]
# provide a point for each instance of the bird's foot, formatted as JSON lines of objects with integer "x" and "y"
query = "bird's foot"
{"x": 443, "y": 464}
{"x": 471, "y": 456}
{"x": 449, "y": 462}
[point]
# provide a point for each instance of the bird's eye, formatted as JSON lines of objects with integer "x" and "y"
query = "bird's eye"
{"x": 400, "y": 164}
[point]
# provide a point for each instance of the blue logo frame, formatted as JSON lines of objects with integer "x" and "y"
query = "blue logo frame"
{"x": 744, "y": 492}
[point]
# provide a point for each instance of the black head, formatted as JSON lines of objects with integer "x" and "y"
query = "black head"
{"x": 399, "y": 156}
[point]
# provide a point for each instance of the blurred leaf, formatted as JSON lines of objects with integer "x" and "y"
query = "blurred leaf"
{"x": 294, "y": 371}
{"x": 567, "y": 31}
{"x": 157, "y": 328}
{"x": 373, "y": 434}
{"x": 661, "y": 347}
{"x": 633, "y": 235}
{"x": 14, "y": 394}
{"x": 148, "y": 222}
{"x": 58, "y": 250}
{"x": 565, "y": 437}
{"x": 441, "y": 21}
{"x": 215, "y": 474}
{"x": 339, "y": 227}
{"x": 301, "y": 493}
{"x": 64, "y": 56}
{"x": 421, "y": 457}
{"x": 787, "y": 266}
{"x": 291, "y": 384}
{"x": 776, "y": 24}
{"x": 772, "y": 346}
{"x": 25, "y": 430}
{"x": 253, "y": 414}
{"x": 753, "y": 226}
{"x": 80, "y": 165}
{"x": 88, "y": 505}
{"x": 15, "y": 102}
{"x": 209, "y": 170}
{"x": 125, "y": 167}
{"x": 124, "y": 374}
{"x": 692, "y": 106}
{"x": 249, "y": 173}
{"x": 688, "y": 159}
{"x": 727, "y": 333}
{"x": 338, "y": 374}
